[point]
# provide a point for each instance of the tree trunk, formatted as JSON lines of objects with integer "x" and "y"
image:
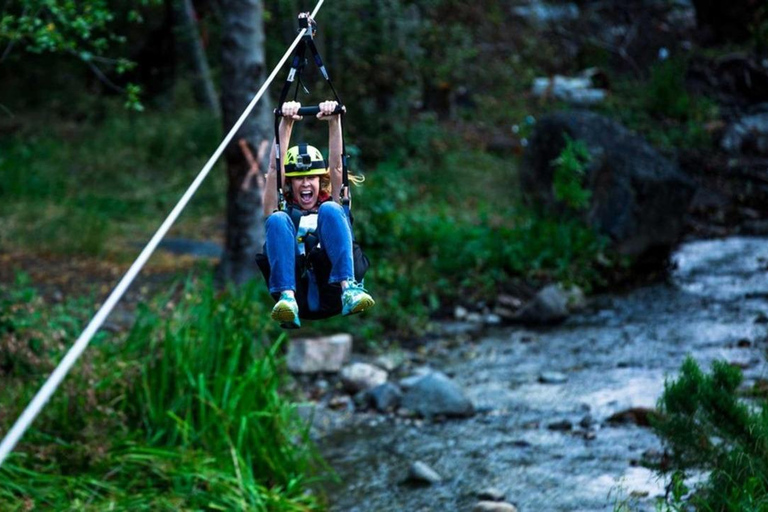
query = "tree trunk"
{"x": 193, "y": 53}
{"x": 243, "y": 72}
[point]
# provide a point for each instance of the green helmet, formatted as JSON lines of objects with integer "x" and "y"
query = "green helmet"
{"x": 304, "y": 160}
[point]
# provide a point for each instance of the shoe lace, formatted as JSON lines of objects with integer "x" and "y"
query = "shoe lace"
{"x": 354, "y": 286}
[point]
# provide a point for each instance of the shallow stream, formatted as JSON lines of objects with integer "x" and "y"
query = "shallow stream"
{"x": 614, "y": 356}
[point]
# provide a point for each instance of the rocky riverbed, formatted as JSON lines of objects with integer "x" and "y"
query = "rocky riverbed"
{"x": 560, "y": 413}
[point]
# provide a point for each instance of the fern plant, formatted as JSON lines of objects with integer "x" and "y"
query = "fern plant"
{"x": 568, "y": 180}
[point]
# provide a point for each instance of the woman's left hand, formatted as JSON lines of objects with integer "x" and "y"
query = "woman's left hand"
{"x": 327, "y": 110}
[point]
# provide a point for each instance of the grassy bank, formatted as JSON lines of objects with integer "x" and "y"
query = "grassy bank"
{"x": 187, "y": 411}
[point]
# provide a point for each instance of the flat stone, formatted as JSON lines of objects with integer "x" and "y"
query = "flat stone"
{"x": 640, "y": 416}
{"x": 315, "y": 355}
{"x": 362, "y": 376}
{"x": 491, "y": 494}
{"x": 390, "y": 361}
{"x": 419, "y": 472}
{"x": 552, "y": 378}
{"x": 437, "y": 395}
{"x": 560, "y": 425}
{"x": 494, "y": 506}
{"x": 385, "y": 397}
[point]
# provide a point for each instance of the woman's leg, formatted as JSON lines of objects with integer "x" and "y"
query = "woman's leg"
{"x": 335, "y": 234}
{"x": 281, "y": 252}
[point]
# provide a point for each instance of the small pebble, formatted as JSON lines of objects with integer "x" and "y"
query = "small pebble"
{"x": 560, "y": 425}
{"x": 552, "y": 378}
{"x": 494, "y": 506}
{"x": 491, "y": 494}
{"x": 421, "y": 473}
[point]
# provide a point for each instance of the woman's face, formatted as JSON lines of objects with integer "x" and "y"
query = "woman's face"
{"x": 306, "y": 190}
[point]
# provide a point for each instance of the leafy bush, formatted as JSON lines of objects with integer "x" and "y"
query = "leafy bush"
{"x": 706, "y": 426}
{"x": 569, "y": 175}
{"x": 666, "y": 94}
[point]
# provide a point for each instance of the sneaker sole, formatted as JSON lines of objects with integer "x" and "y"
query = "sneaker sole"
{"x": 286, "y": 317}
{"x": 365, "y": 303}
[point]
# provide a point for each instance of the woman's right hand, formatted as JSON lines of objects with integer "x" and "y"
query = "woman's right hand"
{"x": 290, "y": 109}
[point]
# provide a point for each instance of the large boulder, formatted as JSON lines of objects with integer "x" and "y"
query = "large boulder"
{"x": 639, "y": 198}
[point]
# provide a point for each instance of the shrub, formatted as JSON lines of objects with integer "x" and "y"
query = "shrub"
{"x": 706, "y": 426}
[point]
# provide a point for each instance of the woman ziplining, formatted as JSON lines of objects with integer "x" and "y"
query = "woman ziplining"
{"x": 312, "y": 265}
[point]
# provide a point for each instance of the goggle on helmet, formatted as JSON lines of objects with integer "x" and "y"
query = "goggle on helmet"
{"x": 304, "y": 160}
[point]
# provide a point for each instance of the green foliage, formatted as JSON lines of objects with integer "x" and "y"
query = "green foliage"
{"x": 448, "y": 229}
{"x": 58, "y": 26}
{"x": 187, "y": 413}
{"x": 84, "y": 30}
{"x": 82, "y": 190}
{"x": 707, "y": 427}
{"x": 666, "y": 94}
{"x": 205, "y": 383}
{"x": 759, "y": 31}
{"x": 569, "y": 175}
{"x": 630, "y": 105}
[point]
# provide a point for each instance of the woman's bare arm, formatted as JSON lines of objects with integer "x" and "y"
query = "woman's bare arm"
{"x": 334, "y": 145}
{"x": 269, "y": 199}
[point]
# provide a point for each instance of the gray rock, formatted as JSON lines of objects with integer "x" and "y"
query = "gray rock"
{"x": 577, "y": 300}
{"x": 390, "y": 361}
{"x": 587, "y": 421}
{"x": 542, "y": 12}
{"x": 494, "y": 506}
{"x": 491, "y": 494}
{"x": 639, "y": 198}
{"x": 419, "y": 472}
{"x": 385, "y": 397}
{"x": 315, "y": 355}
{"x": 748, "y": 133}
{"x": 579, "y": 90}
{"x": 560, "y": 425}
{"x": 362, "y": 376}
{"x": 549, "y": 306}
{"x": 436, "y": 394}
{"x": 474, "y": 318}
{"x": 418, "y": 374}
{"x": 410, "y": 381}
{"x": 553, "y": 378}
{"x": 492, "y": 319}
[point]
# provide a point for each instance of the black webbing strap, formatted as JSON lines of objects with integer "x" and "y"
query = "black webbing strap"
{"x": 297, "y": 67}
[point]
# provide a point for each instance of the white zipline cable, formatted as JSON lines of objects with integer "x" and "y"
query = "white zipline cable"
{"x": 42, "y": 396}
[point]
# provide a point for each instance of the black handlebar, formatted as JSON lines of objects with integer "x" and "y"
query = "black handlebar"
{"x": 311, "y": 111}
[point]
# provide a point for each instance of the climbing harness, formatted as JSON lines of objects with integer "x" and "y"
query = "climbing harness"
{"x": 57, "y": 376}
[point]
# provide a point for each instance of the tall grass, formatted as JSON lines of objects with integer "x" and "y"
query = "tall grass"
{"x": 207, "y": 383}
{"x": 188, "y": 412}
{"x": 83, "y": 188}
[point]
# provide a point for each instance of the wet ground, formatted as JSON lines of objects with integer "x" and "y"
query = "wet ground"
{"x": 615, "y": 356}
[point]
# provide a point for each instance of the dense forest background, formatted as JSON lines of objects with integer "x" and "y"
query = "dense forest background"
{"x": 108, "y": 109}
